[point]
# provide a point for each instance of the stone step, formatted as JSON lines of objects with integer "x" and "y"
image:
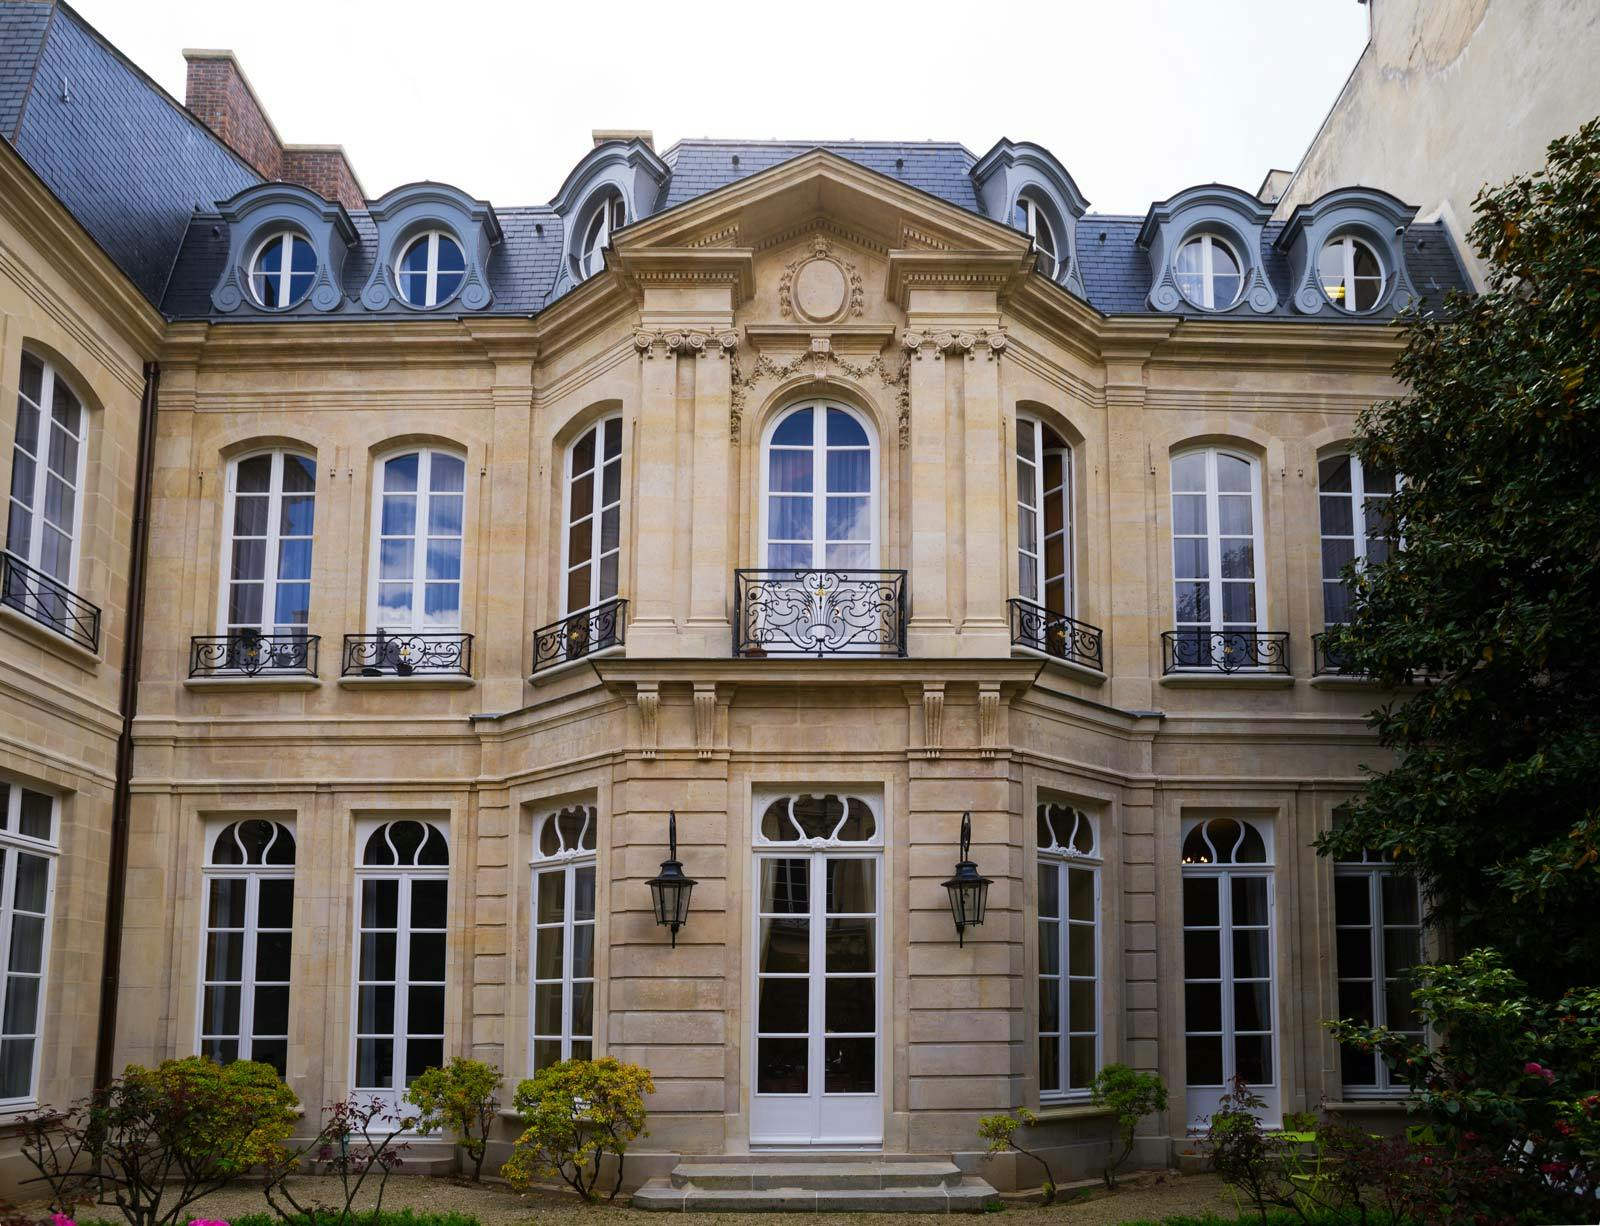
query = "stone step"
{"x": 970, "y": 1195}
{"x": 817, "y": 1176}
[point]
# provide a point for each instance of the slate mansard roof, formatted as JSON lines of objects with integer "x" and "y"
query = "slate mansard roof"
{"x": 146, "y": 179}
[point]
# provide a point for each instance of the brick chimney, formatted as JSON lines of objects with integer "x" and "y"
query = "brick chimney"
{"x": 222, "y": 98}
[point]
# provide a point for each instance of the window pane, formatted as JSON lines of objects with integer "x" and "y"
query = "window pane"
{"x": 1189, "y": 514}
{"x": 1355, "y": 952}
{"x": 16, "y": 1068}
{"x": 849, "y": 471}
{"x": 789, "y": 471}
{"x": 1400, "y": 902}
{"x": 1249, "y": 901}
{"x": 1204, "y": 1057}
{"x": 1202, "y": 958}
{"x": 35, "y": 813}
{"x": 1202, "y": 1006}
{"x": 794, "y": 430}
{"x": 1351, "y": 900}
{"x": 844, "y": 430}
{"x": 788, "y": 518}
{"x": 1080, "y": 898}
{"x": 400, "y": 474}
{"x": 1253, "y": 1056}
{"x": 849, "y": 519}
{"x": 446, "y": 473}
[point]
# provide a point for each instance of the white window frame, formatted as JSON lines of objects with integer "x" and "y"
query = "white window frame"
{"x": 273, "y": 539}
{"x": 1214, "y": 542}
{"x": 1373, "y": 872}
{"x": 14, "y": 842}
{"x": 1347, "y": 278}
{"x": 50, "y": 377}
{"x": 567, "y": 863}
{"x": 596, "y": 513}
{"x": 1225, "y": 873}
{"x": 1034, "y": 217}
{"x": 609, "y": 216}
{"x": 285, "y": 274}
{"x": 430, "y": 293}
{"x": 1208, "y": 290}
{"x": 406, "y": 875}
{"x": 1063, "y": 861}
{"x": 1065, "y": 493}
{"x": 819, "y": 491}
{"x": 1357, "y": 495}
{"x": 253, "y": 875}
{"x": 419, "y": 538}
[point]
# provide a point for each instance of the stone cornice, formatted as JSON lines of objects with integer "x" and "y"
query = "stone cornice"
{"x": 998, "y": 272}
{"x": 1013, "y": 676}
{"x": 366, "y": 344}
{"x": 677, "y": 266}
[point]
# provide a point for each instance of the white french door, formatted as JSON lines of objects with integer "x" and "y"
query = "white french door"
{"x": 818, "y": 1059}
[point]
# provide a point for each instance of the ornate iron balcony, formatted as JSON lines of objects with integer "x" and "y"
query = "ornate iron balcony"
{"x": 819, "y": 612}
{"x": 250, "y": 654}
{"x": 1329, "y": 661}
{"x": 1055, "y": 634}
{"x": 580, "y": 634}
{"x": 1225, "y": 651}
{"x": 402, "y": 654}
{"x": 36, "y": 595}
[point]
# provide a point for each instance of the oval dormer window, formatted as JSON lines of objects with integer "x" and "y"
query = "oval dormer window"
{"x": 1351, "y": 274}
{"x": 1208, "y": 273}
{"x": 1029, "y": 218}
{"x": 610, "y": 215}
{"x": 282, "y": 270}
{"x": 431, "y": 270}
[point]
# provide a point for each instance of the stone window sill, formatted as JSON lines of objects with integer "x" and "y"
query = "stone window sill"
{"x": 1380, "y": 1103}
{"x": 1052, "y": 1113}
{"x": 41, "y": 635}
{"x": 1333, "y": 681}
{"x": 566, "y": 666}
{"x": 264, "y": 682}
{"x": 451, "y": 682}
{"x": 1067, "y": 668}
{"x": 1224, "y": 681}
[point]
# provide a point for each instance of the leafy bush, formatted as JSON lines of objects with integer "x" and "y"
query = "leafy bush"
{"x": 1132, "y": 1095}
{"x": 154, "y": 1141}
{"x": 461, "y": 1096}
{"x": 359, "y": 1137}
{"x": 1001, "y": 1133}
{"x": 576, "y": 1112}
{"x": 1249, "y": 1159}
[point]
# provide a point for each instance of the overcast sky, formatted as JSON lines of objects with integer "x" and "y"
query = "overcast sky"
{"x": 1138, "y": 98}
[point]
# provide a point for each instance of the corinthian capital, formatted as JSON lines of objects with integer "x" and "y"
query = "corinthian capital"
{"x": 956, "y": 343}
{"x": 692, "y": 341}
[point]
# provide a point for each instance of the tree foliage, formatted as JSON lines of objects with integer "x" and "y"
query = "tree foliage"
{"x": 1000, "y": 1131}
{"x": 1132, "y": 1095}
{"x": 460, "y": 1096}
{"x": 576, "y": 1112}
{"x": 1493, "y": 601}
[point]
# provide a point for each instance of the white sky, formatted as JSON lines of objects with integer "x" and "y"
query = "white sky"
{"x": 1138, "y": 98}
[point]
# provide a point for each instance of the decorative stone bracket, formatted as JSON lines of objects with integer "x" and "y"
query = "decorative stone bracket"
{"x": 932, "y": 718}
{"x": 648, "y": 697}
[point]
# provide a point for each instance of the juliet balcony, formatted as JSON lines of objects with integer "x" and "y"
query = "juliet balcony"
{"x": 249, "y": 653}
{"x": 1056, "y": 635}
{"x": 39, "y": 598}
{"x": 1249, "y": 652}
{"x": 819, "y": 613}
{"x": 405, "y": 654}
{"x": 579, "y": 635}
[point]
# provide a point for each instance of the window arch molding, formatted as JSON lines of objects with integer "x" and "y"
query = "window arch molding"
{"x": 629, "y": 168}
{"x": 414, "y": 210}
{"x": 848, "y": 474}
{"x": 1013, "y": 170}
{"x": 258, "y": 212}
{"x": 390, "y": 564}
{"x": 1228, "y": 214}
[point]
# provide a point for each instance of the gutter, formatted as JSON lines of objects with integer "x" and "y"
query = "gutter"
{"x": 117, "y": 874}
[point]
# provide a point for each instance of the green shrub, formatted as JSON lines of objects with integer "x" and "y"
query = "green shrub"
{"x": 1001, "y": 1133}
{"x": 1132, "y": 1095}
{"x": 460, "y": 1096}
{"x": 576, "y": 1112}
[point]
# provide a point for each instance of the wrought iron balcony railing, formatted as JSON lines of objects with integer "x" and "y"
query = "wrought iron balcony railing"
{"x": 36, "y": 595}
{"x": 1329, "y": 661}
{"x": 819, "y": 612}
{"x": 1055, "y": 634}
{"x": 580, "y": 634}
{"x": 249, "y": 653}
{"x": 404, "y": 654}
{"x": 1225, "y": 651}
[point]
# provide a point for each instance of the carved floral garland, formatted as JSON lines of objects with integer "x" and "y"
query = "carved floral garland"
{"x": 823, "y": 361}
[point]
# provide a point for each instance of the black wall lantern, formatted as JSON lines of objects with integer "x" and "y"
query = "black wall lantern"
{"x": 969, "y": 889}
{"x": 670, "y": 888}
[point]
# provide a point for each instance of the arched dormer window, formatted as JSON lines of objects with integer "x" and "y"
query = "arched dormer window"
{"x": 431, "y": 269}
{"x": 286, "y": 251}
{"x": 432, "y": 249}
{"x": 1204, "y": 248}
{"x": 1032, "y": 219}
{"x": 1209, "y": 273}
{"x": 282, "y": 270}
{"x": 1351, "y": 274}
{"x": 608, "y": 214}
{"x": 1346, "y": 253}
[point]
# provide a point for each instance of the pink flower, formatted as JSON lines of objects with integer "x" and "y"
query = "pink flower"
{"x": 205, "y": 1221}
{"x": 1533, "y": 1069}
{"x": 1554, "y": 1168}
{"x": 61, "y": 1219}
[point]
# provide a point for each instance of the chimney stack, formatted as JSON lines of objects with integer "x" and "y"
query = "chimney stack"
{"x": 605, "y": 135}
{"x": 222, "y": 98}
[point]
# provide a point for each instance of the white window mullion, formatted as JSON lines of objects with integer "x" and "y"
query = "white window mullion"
{"x": 1213, "y": 543}
{"x": 568, "y": 990}
{"x": 819, "y": 488}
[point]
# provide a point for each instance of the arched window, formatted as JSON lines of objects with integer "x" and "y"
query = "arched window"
{"x": 1028, "y": 217}
{"x": 249, "y": 922}
{"x": 282, "y": 270}
{"x": 1218, "y": 586}
{"x": 1208, "y": 272}
{"x": 431, "y": 269}
{"x": 593, "y": 542}
{"x": 1356, "y": 526}
{"x": 609, "y": 215}
{"x": 819, "y": 505}
{"x": 1069, "y": 950}
{"x": 1044, "y": 517}
{"x": 562, "y": 975}
{"x": 402, "y": 881}
{"x": 1351, "y": 273}
{"x": 418, "y": 513}
{"x": 1229, "y": 998}
{"x": 270, "y": 512}
{"x": 47, "y": 470}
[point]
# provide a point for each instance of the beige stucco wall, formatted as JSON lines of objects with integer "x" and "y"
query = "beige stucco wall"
{"x": 1448, "y": 97}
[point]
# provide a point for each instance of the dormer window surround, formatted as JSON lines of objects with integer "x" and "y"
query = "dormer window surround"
{"x": 1026, "y": 187}
{"x": 286, "y": 251}
{"x": 432, "y": 250}
{"x": 1346, "y": 253}
{"x": 617, "y": 183}
{"x": 1204, "y": 247}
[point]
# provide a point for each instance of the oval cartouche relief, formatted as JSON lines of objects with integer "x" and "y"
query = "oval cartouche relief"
{"x": 820, "y": 290}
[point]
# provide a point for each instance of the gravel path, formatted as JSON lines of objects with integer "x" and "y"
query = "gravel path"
{"x": 1151, "y": 1198}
